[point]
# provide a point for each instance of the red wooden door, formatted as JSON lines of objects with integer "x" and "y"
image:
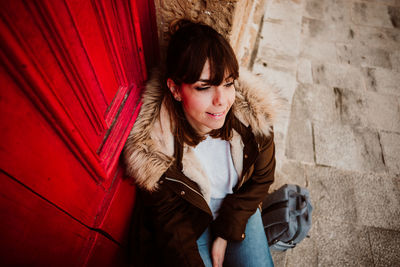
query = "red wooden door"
{"x": 71, "y": 73}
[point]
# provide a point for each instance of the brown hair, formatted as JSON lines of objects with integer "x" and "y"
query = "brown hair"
{"x": 190, "y": 46}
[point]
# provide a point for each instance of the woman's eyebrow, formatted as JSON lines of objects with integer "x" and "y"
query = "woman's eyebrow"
{"x": 204, "y": 81}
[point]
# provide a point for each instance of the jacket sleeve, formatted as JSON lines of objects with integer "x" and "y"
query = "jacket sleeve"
{"x": 239, "y": 206}
{"x": 174, "y": 233}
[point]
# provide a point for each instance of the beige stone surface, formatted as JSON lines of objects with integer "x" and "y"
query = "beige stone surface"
{"x": 281, "y": 36}
{"x": 385, "y": 247}
{"x": 342, "y": 139}
{"x": 332, "y": 194}
{"x": 290, "y": 172}
{"x": 383, "y": 112}
{"x": 338, "y": 75}
{"x": 391, "y": 150}
{"x": 385, "y": 38}
{"x": 304, "y": 72}
{"x": 371, "y": 14}
{"x": 382, "y": 80}
{"x": 326, "y": 30}
{"x": 363, "y": 56}
{"x": 347, "y": 148}
{"x": 275, "y": 59}
{"x": 381, "y": 2}
{"x": 317, "y": 50}
{"x": 382, "y": 194}
{"x": 300, "y": 146}
{"x": 352, "y": 106}
{"x": 395, "y": 60}
{"x": 341, "y": 244}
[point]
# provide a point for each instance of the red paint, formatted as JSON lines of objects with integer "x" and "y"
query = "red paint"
{"x": 71, "y": 74}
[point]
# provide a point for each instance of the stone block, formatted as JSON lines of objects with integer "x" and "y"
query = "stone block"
{"x": 382, "y": 81}
{"x": 395, "y": 60}
{"x": 391, "y": 150}
{"x": 347, "y": 148}
{"x": 283, "y": 81}
{"x": 376, "y": 37}
{"x": 341, "y": 244}
{"x": 338, "y": 75}
{"x": 304, "y": 73}
{"x": 377, "y": 198}
{"x": 326, "y": 30}
{"x": 286, "y": 10}
{"x": 299, "y": 141}
{"x": 281, "y": 122}
{"x": 363, "y": 56}
{"x": 383, "y": 112}
{"x": 315, "y": 102}
{"x": 283, "y": 37}
{"x": 351, "y": 106}
{"x": 318, "y": 50}
{"x": 330, "y": 11}
{"x": 322, "y": 104}
{"x": 332, "y": 194}
{"x": 271, "y": 58}
{"x": 314, "y": 9}
{"x": 290, "y": 172}
{"x": 382, "y": 2}
{"x": 376, "y": 15}
{"x": 385, "y": 247}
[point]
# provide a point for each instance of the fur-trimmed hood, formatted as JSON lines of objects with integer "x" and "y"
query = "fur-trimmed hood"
{"x": 149, "y": 149}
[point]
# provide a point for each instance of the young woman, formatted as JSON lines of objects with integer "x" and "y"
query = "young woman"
{"x": 202, "y": 155}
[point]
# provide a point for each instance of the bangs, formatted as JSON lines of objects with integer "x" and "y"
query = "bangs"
{"x": 193, "y": 56}
{"x": 223, "y": 64}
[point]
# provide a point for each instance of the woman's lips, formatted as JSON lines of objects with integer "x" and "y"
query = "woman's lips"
{"x": 216, "y": 115}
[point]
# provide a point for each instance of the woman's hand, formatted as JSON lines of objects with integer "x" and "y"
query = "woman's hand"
{"x": 218, "y": 251}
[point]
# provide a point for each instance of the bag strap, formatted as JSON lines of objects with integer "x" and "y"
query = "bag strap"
{"x": 303, "y": 200}
{"x": 280, "y": 195}
{"x": 277, "y": 216}
{"x": 301, "y": 204}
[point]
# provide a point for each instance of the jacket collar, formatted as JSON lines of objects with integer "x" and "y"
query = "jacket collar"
{"x": 149, "y": 150}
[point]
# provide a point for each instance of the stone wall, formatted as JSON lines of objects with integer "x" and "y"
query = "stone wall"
{"x": 237, "y": 20}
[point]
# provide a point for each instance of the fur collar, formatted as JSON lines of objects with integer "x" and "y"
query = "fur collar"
{"x": 149, "y": 149}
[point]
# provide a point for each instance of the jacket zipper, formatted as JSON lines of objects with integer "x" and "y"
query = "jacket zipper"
{"x": 174, "y": 180}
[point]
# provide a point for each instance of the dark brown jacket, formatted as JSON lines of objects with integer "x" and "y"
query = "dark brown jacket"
{"x": 173, "y": 191}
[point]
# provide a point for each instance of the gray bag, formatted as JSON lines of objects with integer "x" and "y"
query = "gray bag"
{"x": 286, "y": 215}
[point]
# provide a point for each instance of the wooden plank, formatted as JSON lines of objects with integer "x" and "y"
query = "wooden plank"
{"x": 117, "y": 213}
{"x": 33, "y": 232}
{"x": 33, "y": 152}
{"x": 106, "y": 253}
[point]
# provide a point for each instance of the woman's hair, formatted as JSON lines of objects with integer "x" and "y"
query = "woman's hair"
{"x": 190, "y": 46}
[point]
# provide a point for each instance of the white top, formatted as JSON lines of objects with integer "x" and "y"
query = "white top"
{"x": 216, "y": 159}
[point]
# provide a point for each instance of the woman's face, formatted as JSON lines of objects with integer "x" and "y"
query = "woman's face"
{"x": 205, "y": 105}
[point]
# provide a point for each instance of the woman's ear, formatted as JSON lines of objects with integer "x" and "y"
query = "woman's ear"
{"x": 174, "y": 89}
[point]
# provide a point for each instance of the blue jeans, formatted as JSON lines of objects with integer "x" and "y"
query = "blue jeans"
{"x": 253, "y": 251}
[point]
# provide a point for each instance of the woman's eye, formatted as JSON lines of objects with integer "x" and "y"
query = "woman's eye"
{"x": 201, "y": 88}
{"x": 229, "y": 84}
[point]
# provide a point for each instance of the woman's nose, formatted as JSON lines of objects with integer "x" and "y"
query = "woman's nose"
{"x": 219, "y": 96}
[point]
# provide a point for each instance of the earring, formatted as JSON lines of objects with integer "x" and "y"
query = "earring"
{"x": 177, "y": 98}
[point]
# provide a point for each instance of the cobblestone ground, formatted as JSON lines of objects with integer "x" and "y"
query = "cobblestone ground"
{"x": 338, "y": 65}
